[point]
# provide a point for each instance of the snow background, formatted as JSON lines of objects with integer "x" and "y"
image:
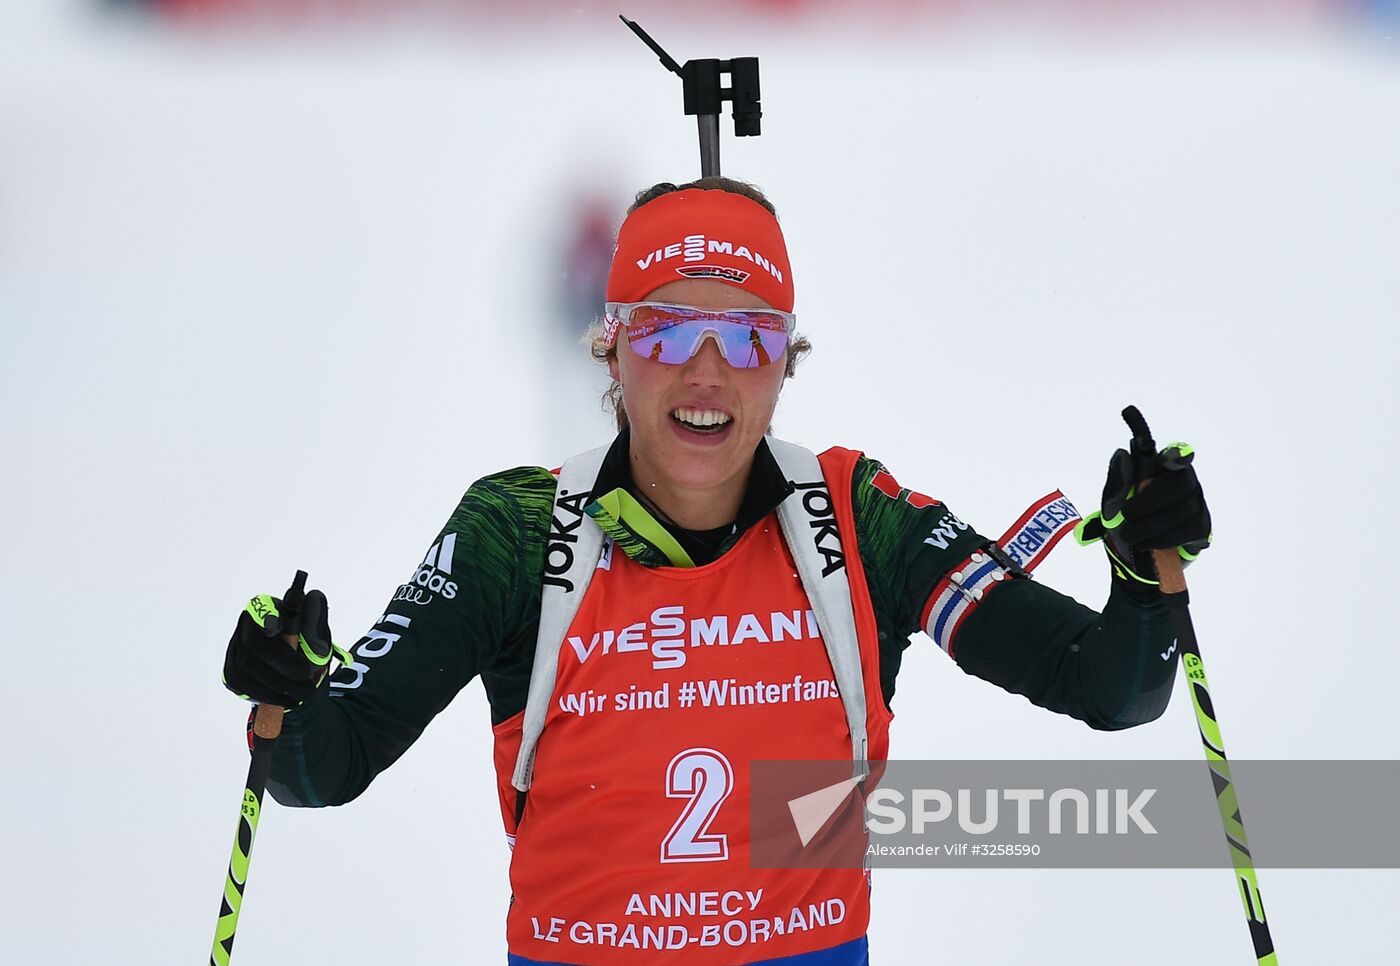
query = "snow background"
{"x": 271, "y": 303}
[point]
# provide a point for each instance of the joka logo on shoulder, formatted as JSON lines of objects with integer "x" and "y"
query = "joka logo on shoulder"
{"x": 431, "y": 577}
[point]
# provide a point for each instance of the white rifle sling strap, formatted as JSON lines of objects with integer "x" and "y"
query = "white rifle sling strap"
{"x": 808, "y": 520}
{"x": 570, "y": 559}
{"x": 808, "y": 523}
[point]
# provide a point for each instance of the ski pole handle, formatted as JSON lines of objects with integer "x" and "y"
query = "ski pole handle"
{"x": 267, "y": 721}
{"x": 1168, "y": 562}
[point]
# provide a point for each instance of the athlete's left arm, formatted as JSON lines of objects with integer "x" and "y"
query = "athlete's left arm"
{"x": 928, "y": 570}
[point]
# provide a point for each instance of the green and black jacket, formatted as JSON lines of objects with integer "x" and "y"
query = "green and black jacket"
{"x": 471, "y": 610}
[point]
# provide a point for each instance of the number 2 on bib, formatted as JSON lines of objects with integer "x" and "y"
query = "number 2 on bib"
{"x": 705, "y": 778}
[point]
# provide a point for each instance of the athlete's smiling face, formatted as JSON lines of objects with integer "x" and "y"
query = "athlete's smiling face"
{"x": 696, "y": 475}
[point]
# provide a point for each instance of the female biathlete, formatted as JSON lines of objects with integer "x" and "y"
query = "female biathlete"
{"x": 655, "y": 615}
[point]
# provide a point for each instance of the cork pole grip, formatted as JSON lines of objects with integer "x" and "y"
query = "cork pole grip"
{"x": 268, "y": 721}
{"x": 1169, "y": 572}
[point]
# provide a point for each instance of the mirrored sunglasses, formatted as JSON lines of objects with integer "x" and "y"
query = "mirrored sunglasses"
{"x": 671, "y": 334}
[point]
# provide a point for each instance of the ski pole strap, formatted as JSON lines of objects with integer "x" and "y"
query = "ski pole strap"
{"x": 1045, "y": 523}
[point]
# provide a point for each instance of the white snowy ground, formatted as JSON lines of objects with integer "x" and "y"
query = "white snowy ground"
{"x": 275, "y": 304}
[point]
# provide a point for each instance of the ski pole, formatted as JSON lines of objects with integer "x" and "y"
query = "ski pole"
{"x": 267, "y": 725}
{"x": 1173, "y": 586}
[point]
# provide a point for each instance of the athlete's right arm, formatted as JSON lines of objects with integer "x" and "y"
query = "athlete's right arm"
{"x": 460, "y": 608}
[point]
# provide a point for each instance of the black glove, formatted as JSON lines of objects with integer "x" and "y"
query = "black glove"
{"x": 261, "y": 666}
{"x": 1171, "y": 513}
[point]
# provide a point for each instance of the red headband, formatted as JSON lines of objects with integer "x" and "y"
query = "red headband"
{"x": 701, "y": 233}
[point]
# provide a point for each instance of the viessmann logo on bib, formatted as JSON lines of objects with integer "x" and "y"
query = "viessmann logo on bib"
{"x": 669, "y": 633}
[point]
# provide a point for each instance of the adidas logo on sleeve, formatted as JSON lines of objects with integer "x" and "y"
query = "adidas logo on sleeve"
{"x": 432, "y": 576}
